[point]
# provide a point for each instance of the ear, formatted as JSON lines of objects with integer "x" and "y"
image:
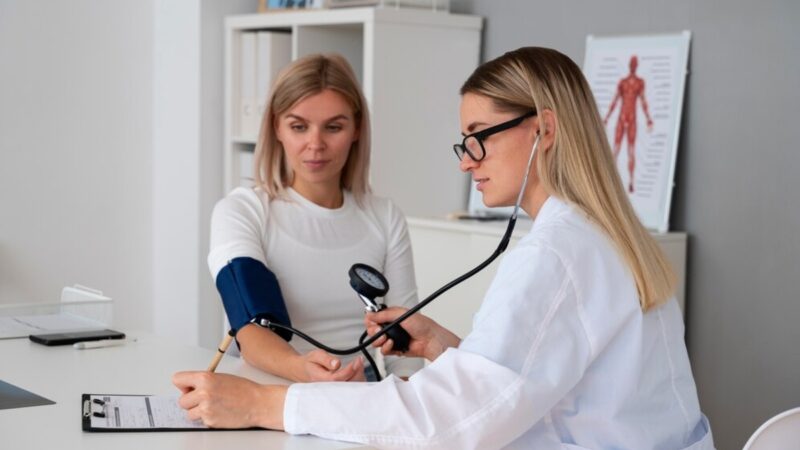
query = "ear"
{"x": 548, "y": 125}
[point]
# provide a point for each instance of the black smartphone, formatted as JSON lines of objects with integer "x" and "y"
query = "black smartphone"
{"x": 76, "y": 336}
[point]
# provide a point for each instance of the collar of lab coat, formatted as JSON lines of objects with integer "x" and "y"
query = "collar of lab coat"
{"x": 551, "y": 209}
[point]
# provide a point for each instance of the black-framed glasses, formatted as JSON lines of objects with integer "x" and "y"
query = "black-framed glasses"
{"x": 472, "y": 144}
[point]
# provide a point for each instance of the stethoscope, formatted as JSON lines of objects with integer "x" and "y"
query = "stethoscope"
{"x": 370, "y": 284}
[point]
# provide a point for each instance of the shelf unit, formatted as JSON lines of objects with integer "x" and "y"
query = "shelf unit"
{"x": 410, "y": 63}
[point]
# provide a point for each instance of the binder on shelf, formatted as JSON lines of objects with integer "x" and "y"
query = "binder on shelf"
{"x": 263, "y": 55}
{"x": 273, "y": 53}
{"x": 248, "y": 101}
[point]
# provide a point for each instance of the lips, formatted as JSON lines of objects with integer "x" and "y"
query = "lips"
{"x": 316, "y": 164}
{"x": 481, "y": 183}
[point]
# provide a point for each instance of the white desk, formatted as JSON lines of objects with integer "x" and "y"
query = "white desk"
{"x": 62, "y": 374}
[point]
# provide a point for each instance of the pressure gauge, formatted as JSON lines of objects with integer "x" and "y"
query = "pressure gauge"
{"x": 369, "y": 284}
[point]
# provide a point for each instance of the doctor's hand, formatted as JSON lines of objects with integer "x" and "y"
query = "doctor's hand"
{"x": 428, "y": 338}
{"x": 227, "y": 401}
{"x": 318, "y": 365}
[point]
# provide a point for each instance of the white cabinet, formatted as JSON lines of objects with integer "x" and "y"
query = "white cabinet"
{"x": 411, "y": 64}
{"x": 445, "y": 249}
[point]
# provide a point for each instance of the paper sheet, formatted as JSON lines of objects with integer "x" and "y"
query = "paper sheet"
{"x": 139, "y": 412}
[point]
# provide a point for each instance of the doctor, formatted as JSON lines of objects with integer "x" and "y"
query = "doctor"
{"x": 579, "y": 341}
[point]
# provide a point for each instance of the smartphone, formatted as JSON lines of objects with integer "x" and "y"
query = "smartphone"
{"x": 76, "y": 336}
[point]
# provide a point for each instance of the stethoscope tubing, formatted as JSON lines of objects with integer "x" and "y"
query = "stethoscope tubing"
{"x": 364, "y": 344}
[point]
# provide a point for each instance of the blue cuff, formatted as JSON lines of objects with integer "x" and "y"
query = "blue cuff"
{"x": 250, "y": 290}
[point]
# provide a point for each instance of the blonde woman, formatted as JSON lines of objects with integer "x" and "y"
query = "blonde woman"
{"x": 288, "y": 243}
{"x": 579, "y": 341}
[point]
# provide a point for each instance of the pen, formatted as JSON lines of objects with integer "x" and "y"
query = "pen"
{"x": 223, "y": 346}
{"x": 101, "y": 344}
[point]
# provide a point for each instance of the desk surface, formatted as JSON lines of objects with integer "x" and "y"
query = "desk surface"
{"x": 62, "y": 374}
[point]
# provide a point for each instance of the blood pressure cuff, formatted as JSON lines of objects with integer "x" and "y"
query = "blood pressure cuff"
{"x": 249, "y": 290}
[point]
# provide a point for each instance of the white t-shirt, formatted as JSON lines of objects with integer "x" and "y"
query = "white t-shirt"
{"x": 560, "y": 357}
{"x": 311, "y": 249}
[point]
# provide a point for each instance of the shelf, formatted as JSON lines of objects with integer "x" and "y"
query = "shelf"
{"x": 410, "y": 64}
{"x": 244, "y": 140}
{"x": 286, "y": 19}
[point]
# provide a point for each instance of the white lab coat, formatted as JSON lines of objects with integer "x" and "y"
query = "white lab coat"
{"x": 560, "y": 357}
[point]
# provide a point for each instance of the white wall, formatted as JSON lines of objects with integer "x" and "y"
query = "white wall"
{"x": 211, "y": 144}
{"x": 176, "y": 125}
{"x": 111, "y": 155}
{"x": 187, "y": 169}
{"x": 76, "y": 151}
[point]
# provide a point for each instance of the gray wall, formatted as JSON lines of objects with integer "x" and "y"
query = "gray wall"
{"x": 737, "y": 182}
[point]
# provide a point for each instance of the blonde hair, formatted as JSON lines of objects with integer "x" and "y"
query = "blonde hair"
{"x": 308, "y": 76}
{"x": 580, "y": 167}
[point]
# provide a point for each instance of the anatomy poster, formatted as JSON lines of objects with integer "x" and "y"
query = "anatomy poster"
{"x": 638, "y": 83}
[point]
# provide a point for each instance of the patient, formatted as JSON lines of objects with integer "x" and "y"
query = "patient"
{"x": 308, "y": 219}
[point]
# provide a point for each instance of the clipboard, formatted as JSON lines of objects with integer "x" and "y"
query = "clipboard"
{"x": 106, "y": 413}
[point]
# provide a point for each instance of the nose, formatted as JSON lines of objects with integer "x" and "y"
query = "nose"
{"x": 315, "y": 139}
{"x": 466, "y": 164}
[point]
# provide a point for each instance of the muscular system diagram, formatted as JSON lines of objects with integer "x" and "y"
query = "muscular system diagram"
{"x": 629, "y": 90}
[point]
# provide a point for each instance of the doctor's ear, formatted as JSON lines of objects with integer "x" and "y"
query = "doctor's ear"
{"x": 548, "y": 124}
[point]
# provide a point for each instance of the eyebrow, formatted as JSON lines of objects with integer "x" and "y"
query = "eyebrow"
{"x": 472, "y": 127}
{"x": 338, "y": 117}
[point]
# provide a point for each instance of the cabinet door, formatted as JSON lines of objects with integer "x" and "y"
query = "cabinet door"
{"x": 440, "y": 256}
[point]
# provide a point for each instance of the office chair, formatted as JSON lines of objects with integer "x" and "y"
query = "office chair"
{"x": 781, "y": 432}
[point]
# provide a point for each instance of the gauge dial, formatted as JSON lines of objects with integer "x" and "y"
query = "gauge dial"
{"x": 367, "y": 281}
{"x": 374, "y": 279}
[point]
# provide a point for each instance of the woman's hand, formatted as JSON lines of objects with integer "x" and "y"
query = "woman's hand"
{"x": 318, "y": 365}
{"x": 227, "y": 401}
{"x": 428, "y": 338}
